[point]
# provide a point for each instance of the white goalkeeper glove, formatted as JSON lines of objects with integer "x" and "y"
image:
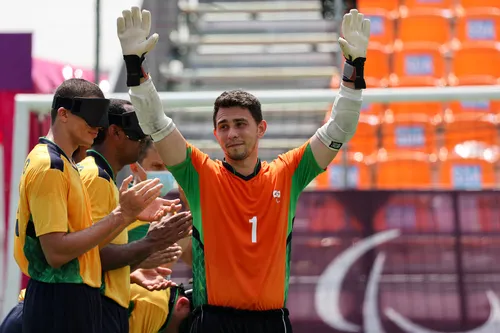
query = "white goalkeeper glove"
{"x": 133, "y": 29}
{"x": 343, "y": 122}
{"x": 354, "y": 44}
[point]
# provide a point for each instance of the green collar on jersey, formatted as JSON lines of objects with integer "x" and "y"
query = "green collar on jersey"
{"x": 250, "y": 176}
{"x": 102, "y": 162}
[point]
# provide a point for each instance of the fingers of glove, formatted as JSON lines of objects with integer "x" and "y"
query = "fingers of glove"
{"x": 359, "y": 21}
{"x": 136, "y": 17}
{"x": 127, "y": 16}
{"x": 151, "y": 42}
{"x": 344, "y": 46}
{"x": 365, "y": 28}
{"x": 146, "y": 20}
{"x": 120, "y": 25}
{"x": 346, "y": 23}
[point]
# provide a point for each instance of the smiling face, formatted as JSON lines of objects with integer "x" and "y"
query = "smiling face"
{"x": 237, "y": 132}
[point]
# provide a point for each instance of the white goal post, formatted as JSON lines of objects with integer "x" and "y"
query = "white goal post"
{"x": 26, "y": 103}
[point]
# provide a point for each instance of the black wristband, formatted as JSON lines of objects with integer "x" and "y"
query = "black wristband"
{"x": 135, "y": 70}
{"x": 354, "y": 72}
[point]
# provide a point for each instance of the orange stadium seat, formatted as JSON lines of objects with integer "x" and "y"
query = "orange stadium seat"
{"x": 471, "y": 109}
{"x": 468, "y": 6}
{"x": 424, "y": 26}
{"x": 418, "y": 64}
{"x": 366, "y": 139}
{"x": 328, "y": 214}
{"x": 381, "y": 25}
{"x": 458, "y": 130}
{"x": 477, "y": 26}
{"x": 456, "y": 172}
{"x": 411, "y": 212}
{"x": 358, "y": 172}
{"x": 445, "y": 5}
{"x": 392, "y": 6}
{"x": 467, "y": 64}
{"x": 404, "y": 170}
{"x": 407, "y": 134}
{"x": 415, "y": 110}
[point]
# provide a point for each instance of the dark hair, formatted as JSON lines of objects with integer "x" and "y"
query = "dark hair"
{"x": 116, "y": 106}
{"x": 146, "y": 145}
{"x": 239, "y": 98}
{"x": 72, "y": 88}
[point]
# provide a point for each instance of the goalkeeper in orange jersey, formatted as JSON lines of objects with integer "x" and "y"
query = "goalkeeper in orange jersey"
{"x": 243, "y": 208}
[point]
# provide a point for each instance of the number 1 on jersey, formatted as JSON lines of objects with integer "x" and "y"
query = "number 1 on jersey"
{"x": 253, "y": 221}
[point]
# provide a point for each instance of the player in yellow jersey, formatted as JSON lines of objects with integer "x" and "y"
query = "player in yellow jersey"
{"x": 163, "y": 310}
{"x": 115, "y": 146}
{"x": 55, "y": 241}
{"x": 243, "y": 208}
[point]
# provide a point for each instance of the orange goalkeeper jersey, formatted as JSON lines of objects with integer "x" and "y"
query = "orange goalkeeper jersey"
{"x": 242, "y": 226}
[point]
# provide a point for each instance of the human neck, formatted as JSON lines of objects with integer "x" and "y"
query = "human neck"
{"x": 109, "y": 153}
{"x": 243, "y": 167}
{"x": 62, "y": 140}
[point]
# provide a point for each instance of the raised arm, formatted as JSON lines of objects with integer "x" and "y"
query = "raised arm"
{"x": 133, "y": 29}
{"x": 341, "y": 126}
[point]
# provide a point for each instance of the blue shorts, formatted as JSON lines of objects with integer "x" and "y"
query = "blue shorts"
{"x": 61, "y": 308}
{"x": 13, "y": 323}
{"x": 114, "y": 317}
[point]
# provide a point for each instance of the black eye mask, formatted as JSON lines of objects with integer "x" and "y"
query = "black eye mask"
{"x": 93, "y": 110}
{"x": 129, "y": 123}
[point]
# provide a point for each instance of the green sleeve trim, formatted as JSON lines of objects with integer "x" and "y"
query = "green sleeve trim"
{"x": 175, "y": 168}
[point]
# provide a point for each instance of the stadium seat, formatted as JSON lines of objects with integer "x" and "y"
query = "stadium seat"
{"x": 408, "y": 133}
{"x": 358, "y": 172}
{"x": 480, "y": 25}
{"x": 444, "y": 5}
{"x": 381, "y": 24}
{"x": 471, "y": 109}
{"x": 416, "y": 110}
{"x": 424, "y": 26}
{"x": 366, "y": 139}
{"x": 470, "y": 127}
{"x": 392, "y": 6}
{"x": 460, "y": 173}
{"x": 403, "y": 170}
{"x": 406, "y": 211}
{"x": 418, "y": 64}
{"x": 328, "y": 214}
{"x": 467, "y": 64}
{"x": 468, "y": 6}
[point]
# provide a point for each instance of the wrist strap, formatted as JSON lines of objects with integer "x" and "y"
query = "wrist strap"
{"x": 135, "y": 69}
{"x": 354, "y": 72}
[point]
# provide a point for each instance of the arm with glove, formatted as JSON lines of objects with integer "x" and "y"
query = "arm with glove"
{"x": 133, "y": 29}
{"x": 341, "y": 126}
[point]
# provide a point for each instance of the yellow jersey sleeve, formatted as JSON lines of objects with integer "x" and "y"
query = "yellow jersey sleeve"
{"x": 48, "y": 201}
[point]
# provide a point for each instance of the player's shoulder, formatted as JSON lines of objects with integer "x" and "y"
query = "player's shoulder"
{"x": 90, "y": 170}
{"x": 44, "y": 158}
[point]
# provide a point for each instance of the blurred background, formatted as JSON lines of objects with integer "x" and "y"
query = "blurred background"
{"x": 401, "y": 233}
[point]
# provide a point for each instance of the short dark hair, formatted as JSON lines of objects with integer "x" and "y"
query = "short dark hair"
{"x": 147, "y": 144}
{"x": 116, "y": 106}
{"x": 72, "y": 88}
{"x": 238, "y": 98}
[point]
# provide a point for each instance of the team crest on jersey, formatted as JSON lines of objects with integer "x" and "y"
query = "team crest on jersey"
{"x": 277, "y": 195}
